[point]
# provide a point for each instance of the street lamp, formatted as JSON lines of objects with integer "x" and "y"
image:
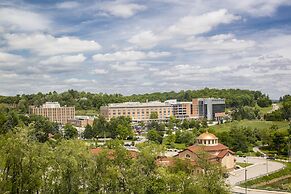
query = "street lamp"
{"x": 246, "y": 189}
{"x": 267, "y": 167}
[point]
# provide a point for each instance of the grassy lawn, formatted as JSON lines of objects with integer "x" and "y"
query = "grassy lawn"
{"x": 264, "y": 110}
{"x": 91, "y": 112}
{"x": 243, "y": 165}
{"x": 281, "y": 185}
{"x": 250, "y": 123}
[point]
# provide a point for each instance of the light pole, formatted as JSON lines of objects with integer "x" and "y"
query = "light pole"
{"x": 246, "y": 189}
{"x": 267, "y": 167}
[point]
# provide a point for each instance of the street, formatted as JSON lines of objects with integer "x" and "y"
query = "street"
{"x": 260, "y": 167}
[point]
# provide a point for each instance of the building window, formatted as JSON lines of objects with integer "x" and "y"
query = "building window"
{"x": 188, "y": 156}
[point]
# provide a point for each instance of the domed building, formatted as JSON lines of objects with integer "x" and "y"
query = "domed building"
{"x": 216, "y": 152}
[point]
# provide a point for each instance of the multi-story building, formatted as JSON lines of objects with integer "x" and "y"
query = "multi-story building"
{"x": 138, "y": 111}
{"x": 54, "y": 112}
{"x": 210, "y": 108}
{"x": 81, "y": 121}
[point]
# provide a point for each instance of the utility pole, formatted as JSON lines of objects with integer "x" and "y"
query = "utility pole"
{"x": 246, "y": 189}
{"x": 267, "y": 167}
{"x": 289, "y": 151}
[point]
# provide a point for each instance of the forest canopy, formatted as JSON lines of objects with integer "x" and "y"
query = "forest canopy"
{"x": 87, "y": 100}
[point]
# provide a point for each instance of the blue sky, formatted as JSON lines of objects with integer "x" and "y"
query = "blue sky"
{"x": 127, "y": 46}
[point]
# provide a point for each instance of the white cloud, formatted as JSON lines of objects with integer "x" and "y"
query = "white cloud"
{"x": 127, "y": 66}
{"x": 78, "y": 81}
{"x": 279, "y": 44}
{"x": 120, "y": 9}
{"x": 217, "y": 44}
{"x": 100, "y": 71}
{"x": 187, "y": 26}
{"x": 67, "y": 5}
{"x": 23, "y": 20}
{"x": 146, "y": 39}
{"x": 44, "y": 44}
{"x": 193, "y": 25}
{"x": 256, "y": 8}
{"x": 7, "y": 58}
{"x": 64, "y": 59}
{"x": 129, "y": 56}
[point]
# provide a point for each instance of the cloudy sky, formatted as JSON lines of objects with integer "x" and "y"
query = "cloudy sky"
{"x": 128, "y": 46}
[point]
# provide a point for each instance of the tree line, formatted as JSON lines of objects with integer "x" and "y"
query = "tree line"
{"x": 243, "y": 139}
{"x": 283, "y": 113}
{"x": 35, "y": 157}
{"x": 87, "y": 100}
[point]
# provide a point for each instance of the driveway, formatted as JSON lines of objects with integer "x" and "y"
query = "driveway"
{"x": 260, "y": 167}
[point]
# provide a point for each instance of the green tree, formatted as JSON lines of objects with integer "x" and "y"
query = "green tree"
{"x": 123, "y": 131}
{"x": 154, "y": 115}
{"x": 70, "y": 132}
{"x": 264, "y": 101}
{"x": 186, "y": 137}
{"x": 154, "y": 136}
{"x": 42, "y": 127}
{"x": 12, "y": 120}
{"x": 89, "y": 133}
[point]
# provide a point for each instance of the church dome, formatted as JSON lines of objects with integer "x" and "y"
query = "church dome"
{"x": 207, "y": 135}
{"x": 207, "y": 139}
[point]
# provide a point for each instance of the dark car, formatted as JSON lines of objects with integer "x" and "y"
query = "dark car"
{"x": 271, "y": 158}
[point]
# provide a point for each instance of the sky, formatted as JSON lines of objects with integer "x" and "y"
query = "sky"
{"x": 144, "y": 46}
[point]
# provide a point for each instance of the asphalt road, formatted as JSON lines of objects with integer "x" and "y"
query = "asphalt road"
{"x": 260, "y": 167}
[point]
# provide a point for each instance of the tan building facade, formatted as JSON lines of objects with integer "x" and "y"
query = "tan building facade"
{"x": 81, "y": 121}
{"x": 54, "y": 112}
{"x": 196, "y": 109}
{"x": 137, "y": 111}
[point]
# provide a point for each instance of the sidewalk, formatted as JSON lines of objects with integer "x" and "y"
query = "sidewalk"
{"x": 241, "y": 190}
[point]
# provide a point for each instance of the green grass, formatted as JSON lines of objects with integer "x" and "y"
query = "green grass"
{"x": 250, "y": 123}
{"x": 268, "y": 109}
{"x": 265, "y": 179}
{"x": 243, "y": 165}
{"x": 282, "y": 185}
{"x": 90, "y": 112}
{"x": 264, "y": 110}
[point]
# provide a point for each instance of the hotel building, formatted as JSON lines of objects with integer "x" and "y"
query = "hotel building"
{"x": 54, "y": 112}
{"x": 209, "y": 108}
{"x": 137, "y": 111}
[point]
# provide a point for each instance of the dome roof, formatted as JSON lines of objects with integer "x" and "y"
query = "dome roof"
{"x": 207, "y": 135}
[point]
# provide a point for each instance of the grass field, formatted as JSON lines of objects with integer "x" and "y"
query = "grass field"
{"x": 250, "y": 123}
{"x": 264, "y": 110}
{"x": 243, "y": 165}
{"x": 282, "y": 185}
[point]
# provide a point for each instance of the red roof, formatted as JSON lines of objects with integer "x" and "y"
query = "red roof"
{"x": 197, "y": 148}
{"x": 222, "y": 154}
{"x": 96, "y": 151}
